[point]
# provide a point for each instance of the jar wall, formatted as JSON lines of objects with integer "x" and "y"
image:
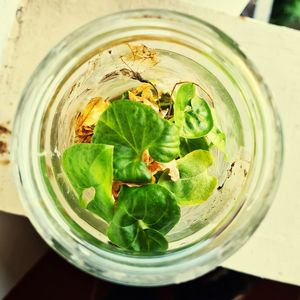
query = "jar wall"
{"x": 187, "y": 49}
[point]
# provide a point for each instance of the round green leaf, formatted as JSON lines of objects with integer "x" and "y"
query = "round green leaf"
{"x": 192, "y": 114}
{"x": 189, "y": 145}
{"x": 143, "y": 215}
{"x": 197, "y": 120}
{"x": 138, "y": 128}
{"x": 128, "y": 168}
{"x": 91, "y": 165}
{"x": 135, "y": 238}
{"x": 195, "y": 184}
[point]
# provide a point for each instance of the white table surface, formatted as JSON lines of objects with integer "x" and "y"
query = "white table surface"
{"x": 20, "y": 245}
{"x": 273, "y": 251}
{"x": 16, "y": 231}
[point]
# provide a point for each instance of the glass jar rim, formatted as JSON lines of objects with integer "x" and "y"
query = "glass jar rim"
{"x": 187, "y": 263}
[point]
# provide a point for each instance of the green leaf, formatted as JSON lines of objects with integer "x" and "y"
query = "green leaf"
{"x": 198, "y": 120}
{"x": 133, "y": 237}
{"x": 191, "y": 113}
{"x": 218, "y": 139}
{"x": 183, "y": 97}
{"x": 129, "y": 167}
{"x": 132, "y": 128}
{"x": 189, "y": 145}
{"x": 125, "y": 96}
{"x": 91, "y": 165}
{"x": 195, "y": 185}
{"x": 143, "y": 216}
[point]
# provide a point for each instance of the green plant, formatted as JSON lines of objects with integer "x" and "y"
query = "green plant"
{"x": 132, "y": 162}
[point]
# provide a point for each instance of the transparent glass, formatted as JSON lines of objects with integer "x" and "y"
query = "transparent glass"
{"x": 89, "y": 63}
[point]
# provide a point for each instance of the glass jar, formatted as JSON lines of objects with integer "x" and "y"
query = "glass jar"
{"x": 89, "y": 63}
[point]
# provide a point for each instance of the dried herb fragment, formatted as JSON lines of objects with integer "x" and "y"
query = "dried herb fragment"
{"x": 141, "y": 52}
{"x": 4, "y": 130}
{"x": 87, "y": 119}
{"x": 3, "y": 147}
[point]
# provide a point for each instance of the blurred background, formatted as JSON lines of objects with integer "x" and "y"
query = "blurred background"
{"x": 279, "y": 12}
{"x": 286, "y": 13}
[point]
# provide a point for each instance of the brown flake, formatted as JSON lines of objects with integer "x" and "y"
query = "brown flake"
{"x": 116, "y": 189}
{"x": 220, "y": 186}
{"x": 171, "y": 168}
{"x": 4, "y": 162}
{"x": 110, "y": 76}
{"x": 3, "y": 147}
{"x": 229, "y": 172}
{"x": 4, "y": 130}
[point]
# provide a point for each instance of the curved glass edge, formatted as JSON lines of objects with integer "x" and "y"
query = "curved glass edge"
{"x": 212, "y": 258}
